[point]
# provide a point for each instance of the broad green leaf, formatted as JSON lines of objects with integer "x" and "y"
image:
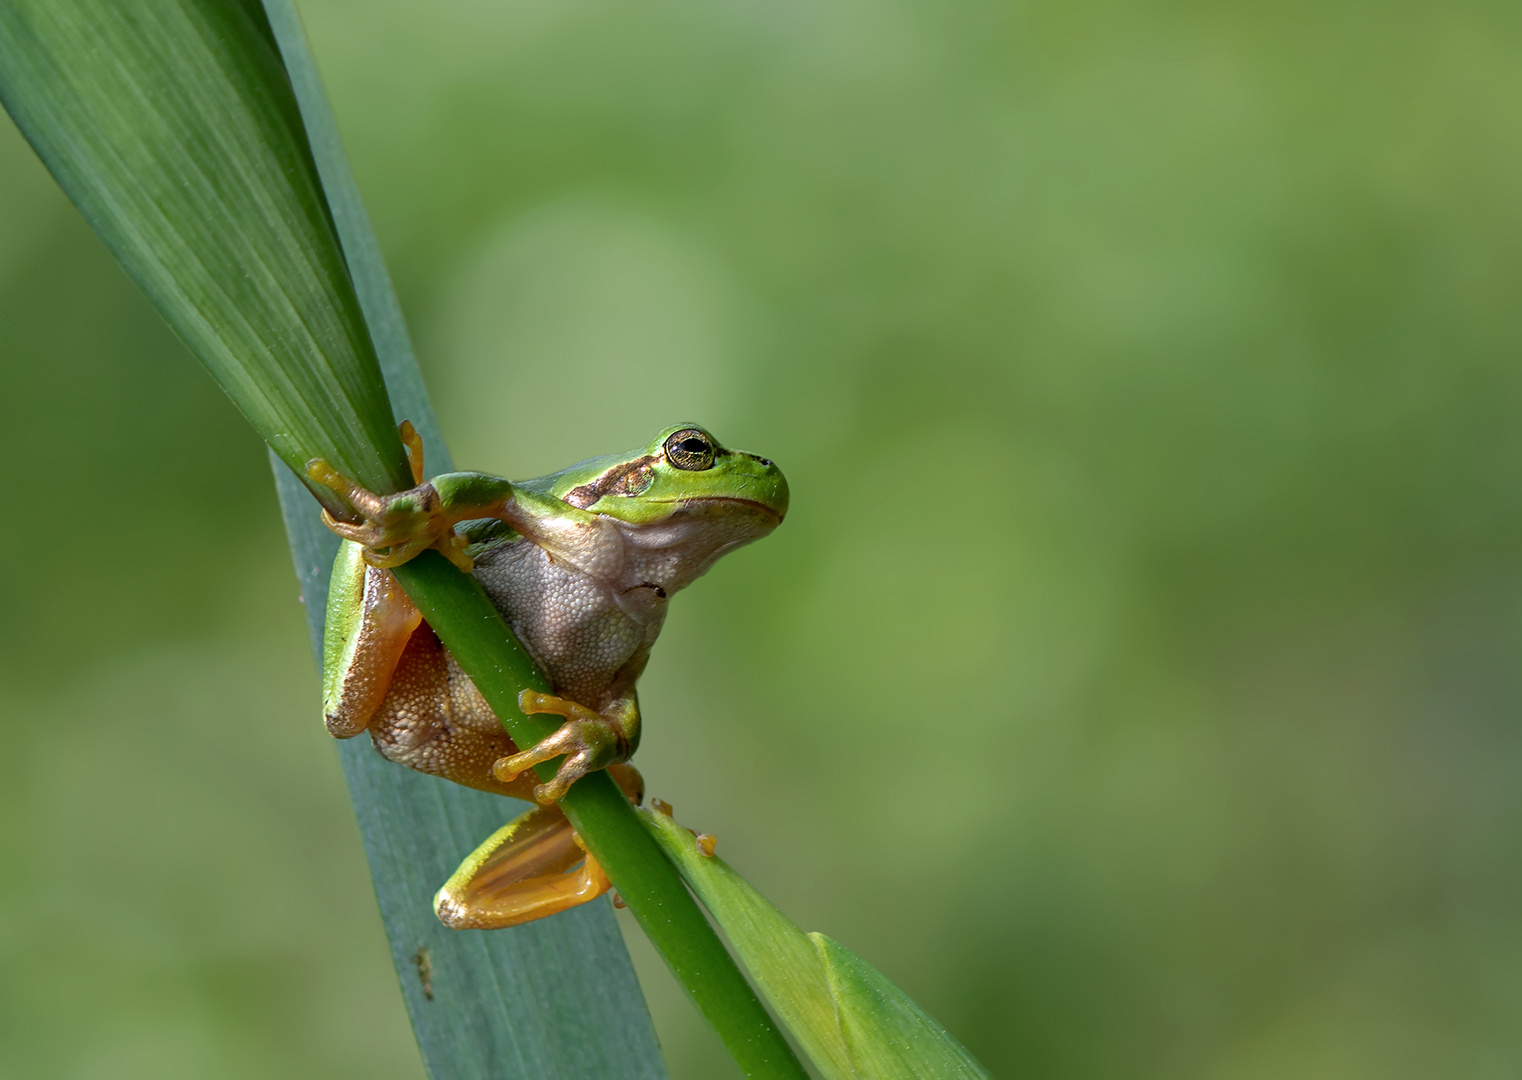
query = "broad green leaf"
{"x": 851, "y": 1022}
{"x": 174, "y": 128}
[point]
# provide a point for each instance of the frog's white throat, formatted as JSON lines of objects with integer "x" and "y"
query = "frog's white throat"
{"x": 676, "y": 552}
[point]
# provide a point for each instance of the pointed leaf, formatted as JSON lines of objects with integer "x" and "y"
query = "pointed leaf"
{"x": 851, "y": 1022}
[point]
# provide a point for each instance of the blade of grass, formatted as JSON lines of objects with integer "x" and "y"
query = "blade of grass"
{"x": 173, "y": 128}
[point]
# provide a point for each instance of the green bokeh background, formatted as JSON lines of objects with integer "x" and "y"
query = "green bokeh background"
{"x": 1135, "y": 678}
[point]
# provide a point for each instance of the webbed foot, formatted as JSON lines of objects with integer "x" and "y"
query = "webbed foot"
{"x": 589, "y": 741}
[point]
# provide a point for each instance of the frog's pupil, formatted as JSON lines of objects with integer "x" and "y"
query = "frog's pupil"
{"x": 694, "y": 446}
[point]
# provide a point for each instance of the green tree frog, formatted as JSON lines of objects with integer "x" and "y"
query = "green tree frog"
{"x": 581, "y": 564}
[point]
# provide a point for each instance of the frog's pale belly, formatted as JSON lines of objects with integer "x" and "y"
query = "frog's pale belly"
{"x": 591, "y": 645}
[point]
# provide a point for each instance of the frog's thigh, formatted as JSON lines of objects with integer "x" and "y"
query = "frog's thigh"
{"x": 362, "y": 669}
{"x": 430, "y": 723}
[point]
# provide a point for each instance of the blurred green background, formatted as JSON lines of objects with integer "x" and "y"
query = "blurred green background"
{"x": 1135, "y": 678}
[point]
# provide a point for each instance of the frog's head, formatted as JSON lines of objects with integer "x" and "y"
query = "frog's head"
{"x": 684, "y": 493}
{"x": 684, "y": 470}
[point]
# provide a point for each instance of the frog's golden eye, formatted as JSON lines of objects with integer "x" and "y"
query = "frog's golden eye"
{"x": 690, "y": 449}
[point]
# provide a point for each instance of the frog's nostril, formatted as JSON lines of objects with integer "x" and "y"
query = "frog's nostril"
{"x": 765, "y": 462}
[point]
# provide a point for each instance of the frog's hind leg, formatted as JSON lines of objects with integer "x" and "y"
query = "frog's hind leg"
{"x": 435, "y": 721}
{"x": 526, "y": 870}
{"x": 364, "y": 641}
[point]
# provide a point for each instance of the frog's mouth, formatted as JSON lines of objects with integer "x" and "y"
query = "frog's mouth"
{"x": 771, "y": 513}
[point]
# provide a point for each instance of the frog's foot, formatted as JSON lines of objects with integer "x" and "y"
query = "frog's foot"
{"x": 393, "y": 528}
{"x": 527, "y": 870}
{"x": 589, "y": 741}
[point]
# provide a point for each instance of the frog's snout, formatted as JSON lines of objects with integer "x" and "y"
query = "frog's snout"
{"x": 774, "y": 494}
{"x": 753, "y": 480}
{"x": 780, "y": 504}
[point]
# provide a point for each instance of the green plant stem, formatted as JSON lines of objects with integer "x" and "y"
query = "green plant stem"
{"x": 474, "y": 631}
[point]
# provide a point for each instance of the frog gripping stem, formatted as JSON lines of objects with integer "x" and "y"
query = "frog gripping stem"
{"x": 393, "y": 528}
{"x": 589, "y": 741}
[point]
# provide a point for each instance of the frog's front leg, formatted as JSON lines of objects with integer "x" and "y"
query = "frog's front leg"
{"x": 527, "y": 870}
{"x": 393, "y": 529}
{"x": 589, "y": 741}
{"x": 396, "y": 528}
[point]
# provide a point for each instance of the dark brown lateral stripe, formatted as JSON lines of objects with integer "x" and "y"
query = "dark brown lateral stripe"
{"x": 630, "y": 478}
